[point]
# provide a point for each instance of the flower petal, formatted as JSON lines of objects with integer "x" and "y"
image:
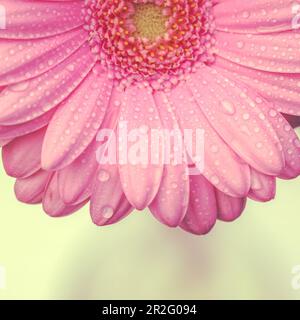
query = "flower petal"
{"x": 202, "y": 211}
{"x": 259, "y": 16}
{"x": 76, "y": 122}
{"x": 30, "y": 99}
{"x": 281, "y": 89}
{"x": 290, "y": 144}
{"x": 171, "y": 202}
{"x": 23, "y": 60}
{"x": 4, "y": 142}
{"x": 288, "y": 139}
{"x": 36, "y": 19}
{"x": 222, "y": 167}
{"x": 108, "y": 202}
{"x": 277, "y": 52}
{"x": 53, "y": 204}
{"x": 263, "y": 187}
{"x": 140, "y": 177}
{"x": 229, "y": 208}
{"x": 31, "y": 189}
{"x": 75, "y": 178}
{"x": 11, "y": 132}
{"x": 22, "y": 156}
{"x": 235, "y": 115}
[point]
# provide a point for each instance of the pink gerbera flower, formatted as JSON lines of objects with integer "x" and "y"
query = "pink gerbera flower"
{"x": 72, "y": 68}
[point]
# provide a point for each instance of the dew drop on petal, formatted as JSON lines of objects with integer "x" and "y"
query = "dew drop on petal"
{"x": 103, "y": 176}
{"x": 215, "y": 180}
{"x": 228, "y": 107}
{"x": 272, "y": 113}
{"x": 259, "y": 145}
{"x": 240, "y": 44}
{"x": 174, "y": 185}
{"x": 107, "y": 212}
{"x": 297, "y": 143}
{"x": 18, "y": 87}
{"x": 246, "y": 14}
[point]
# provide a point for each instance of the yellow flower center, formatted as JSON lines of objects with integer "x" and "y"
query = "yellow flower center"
{"x": 149, "y": 21}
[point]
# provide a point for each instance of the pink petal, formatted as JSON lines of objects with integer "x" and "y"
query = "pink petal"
{"x": 235, "y": 115}
{"x": 222, "y": 167}
{"x": 11, "y": 132}
{"x": 140, "y": 181}
{"x": 202, "y": 211}
{"x": 35, "y": 19}
{"x": 263, "y": 187}
{"x": 28, "y": 59}
{"x": 22, "y": 157}
{"x": 75, "y": 179}
{"x": 278, "y": 52}
{"x": 281, "y": 89}
{"x": 53, "y": 204}
{"x": 31, "y": 190}
{"x": 76, "y": 122}
{"x": 108, "y": 202}
{"x": 30, "y": 99}
{"x": 171, "y": 202}
{"x": 288, "y": 139}
{"x": 4, "y": 142}
{"x": 229, "y": 208}
{"x": 259, "y": 16}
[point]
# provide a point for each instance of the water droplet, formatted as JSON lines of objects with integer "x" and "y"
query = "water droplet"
{"x": 246, "y": 14}
{"x": 228, "y": 107}
{"x": 71, "y": 67}
{"x": 215, "y": 180}
{"x": 107, "y": 212}
{"x": 258, "y": 100}
{"x": 240, "y": 44}
{"x": 21, "y": 86}
{"x": 143, "y": 129}
{"x": 272, "y": 113}
{"x": 246, "y": 116}
{"x": 297, "y": 143}
{"x": 103, "y": 176}
{"x": 259, "y": 145}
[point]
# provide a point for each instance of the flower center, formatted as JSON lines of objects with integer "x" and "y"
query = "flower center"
{"x": 155, "y": 43}
{"x": 149, "y": 21}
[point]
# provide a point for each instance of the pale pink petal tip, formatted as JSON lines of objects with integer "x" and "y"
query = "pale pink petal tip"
{"x": 31, "y": 190}
{"x": 202, "y": 211}
{"x": 53, "y": 204}
{"x": 229, "y": 208}
{"x": 263, "y": 187}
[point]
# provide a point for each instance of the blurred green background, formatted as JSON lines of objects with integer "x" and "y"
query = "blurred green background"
{"x": 70, "y": 258}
